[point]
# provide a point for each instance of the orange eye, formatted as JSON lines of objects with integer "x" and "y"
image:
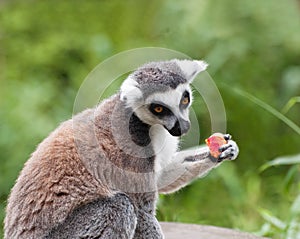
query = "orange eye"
{"x": 185, "y": 101}
{"x": 158, "y": 109}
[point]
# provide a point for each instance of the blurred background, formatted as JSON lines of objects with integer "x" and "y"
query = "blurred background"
{"x": 48, "y": 47}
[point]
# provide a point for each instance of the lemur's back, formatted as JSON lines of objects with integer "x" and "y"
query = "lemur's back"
{"x": 53, "y": 182}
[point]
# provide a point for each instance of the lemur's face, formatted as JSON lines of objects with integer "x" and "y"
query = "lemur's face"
{"x": 169, "y": 109}
{"x": 159, "y": 93}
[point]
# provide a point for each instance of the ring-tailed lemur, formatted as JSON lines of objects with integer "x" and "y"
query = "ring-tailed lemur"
{"x": 98, "y": 175}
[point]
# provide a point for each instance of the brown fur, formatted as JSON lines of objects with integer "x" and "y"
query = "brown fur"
{"x": 78, "y": 163}
{"x": 53, "y": 182}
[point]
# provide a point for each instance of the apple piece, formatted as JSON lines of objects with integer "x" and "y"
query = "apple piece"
{"x": 214, "y": 142}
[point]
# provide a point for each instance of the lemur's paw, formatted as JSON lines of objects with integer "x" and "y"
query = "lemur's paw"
{"x": 229, "y": 151}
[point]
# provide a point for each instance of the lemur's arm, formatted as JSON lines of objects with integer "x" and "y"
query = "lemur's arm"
{"x": 190, "y": 164}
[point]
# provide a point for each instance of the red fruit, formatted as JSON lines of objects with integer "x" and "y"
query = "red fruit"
{"x": 214, "y": 142}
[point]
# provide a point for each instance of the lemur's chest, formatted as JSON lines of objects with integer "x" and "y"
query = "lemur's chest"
{"x": 164, "y": 146}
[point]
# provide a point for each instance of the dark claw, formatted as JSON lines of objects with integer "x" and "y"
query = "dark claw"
{"x": 224, "y": 147}
{"x": 228, "y": 156}
{"x": 227, "y": 137}
{"x": 221, "y": 158}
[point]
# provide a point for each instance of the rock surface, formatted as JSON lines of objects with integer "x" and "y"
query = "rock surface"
{"x": 191, "y": 231}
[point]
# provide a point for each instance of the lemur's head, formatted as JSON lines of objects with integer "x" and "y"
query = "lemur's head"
{"x": 159, "y": 93}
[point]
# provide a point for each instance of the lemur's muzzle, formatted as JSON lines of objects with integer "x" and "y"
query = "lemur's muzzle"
{"x": 181, "y": 127}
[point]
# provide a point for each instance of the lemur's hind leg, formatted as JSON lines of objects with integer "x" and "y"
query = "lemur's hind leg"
{"x": 108, "y": 218}
{"x": 147, "y": 227}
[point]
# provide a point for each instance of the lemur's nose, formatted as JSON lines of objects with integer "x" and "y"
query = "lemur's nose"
{"x": 181, "y": 127}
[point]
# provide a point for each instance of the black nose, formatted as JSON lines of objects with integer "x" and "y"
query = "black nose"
{"x": 181, "y": 127}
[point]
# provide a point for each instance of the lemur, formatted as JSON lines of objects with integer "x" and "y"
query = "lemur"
{"x": 98, "y": 175}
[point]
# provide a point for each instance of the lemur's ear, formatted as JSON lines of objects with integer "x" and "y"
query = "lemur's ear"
{"x": 191, "y": 68}
{"x": 130, "y": 91}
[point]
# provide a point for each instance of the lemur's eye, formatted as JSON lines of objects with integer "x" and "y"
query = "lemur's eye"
{"x": 158, "y": 109}
{"x": 185, "y": 100}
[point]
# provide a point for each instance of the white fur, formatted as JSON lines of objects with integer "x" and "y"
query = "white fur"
{"x": 164, "y": 145}
{"x": 130, "y": 92}
{"x": 191, "y": 68}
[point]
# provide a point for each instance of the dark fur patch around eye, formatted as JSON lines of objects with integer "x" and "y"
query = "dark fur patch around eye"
{"x": 162, "y": 113}
{"x": 185, "y": 95}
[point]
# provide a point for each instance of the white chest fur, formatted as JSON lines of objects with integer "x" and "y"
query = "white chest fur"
{"x": 164, "y": 145}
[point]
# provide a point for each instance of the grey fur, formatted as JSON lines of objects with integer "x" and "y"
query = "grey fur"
{"x": 98, "y": 175}
{"x": 159, "y": 77}
{"x": 118, "y": 218}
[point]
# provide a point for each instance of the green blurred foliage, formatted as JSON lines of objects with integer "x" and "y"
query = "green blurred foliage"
{"x": 48, "y": 47}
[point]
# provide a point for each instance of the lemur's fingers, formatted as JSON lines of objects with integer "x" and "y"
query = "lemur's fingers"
{"x": 228, "y": 151}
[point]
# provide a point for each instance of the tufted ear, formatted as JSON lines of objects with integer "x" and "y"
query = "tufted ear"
{"x": 130, "y": 93}
{"x": 191, "y": 68}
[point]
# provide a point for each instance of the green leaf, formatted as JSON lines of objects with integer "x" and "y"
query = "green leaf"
{"x": 290, "y": 104}
{"x": 295, "y": 209}
{"x": 265, "y": 229}
{"x": 268, "y": 217}
{"x": 285, "y": 160}
{"x": 290, "y": 177}
{"x": 269, "y": 108}
{"x": 293, "y": 231}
